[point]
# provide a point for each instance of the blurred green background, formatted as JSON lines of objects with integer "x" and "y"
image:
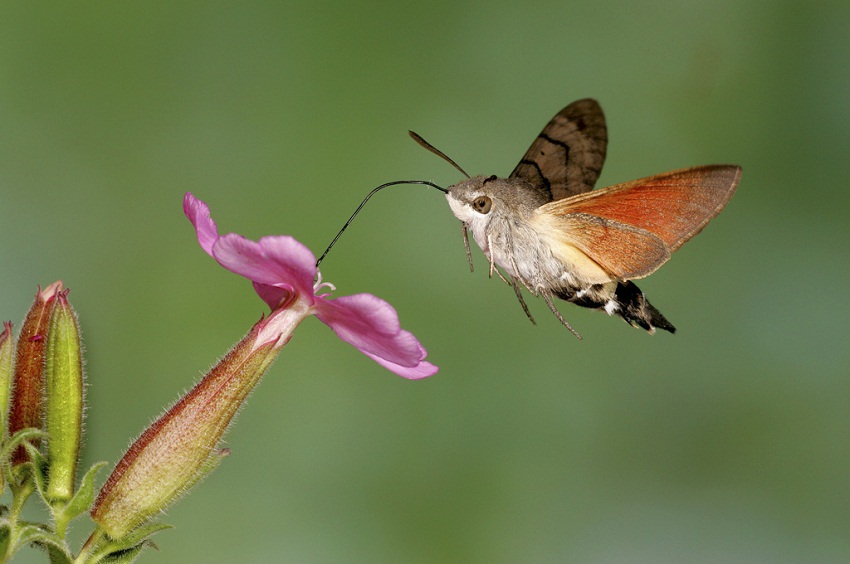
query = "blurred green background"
{"x": 727, "y": 442}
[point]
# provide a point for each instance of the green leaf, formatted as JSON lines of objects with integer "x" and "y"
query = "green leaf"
{"x": 84, "y": 497}
{"x": 5, "y": 528}
{"x": 58, "y": 556}
{"x": 24, "y": 435}
{"x": 125, "y": 556}
{"x": 39, "y": 467}
{"x": 63, "y": 513}
{"x": 141, "y": 534}
{"x": 36, "y": 534}
{"x": 127, "y": 548}
{"x": 57, "y": 550}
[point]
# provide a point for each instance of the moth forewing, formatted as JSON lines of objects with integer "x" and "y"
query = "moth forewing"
{"x": 674, "y": 205}
{"x": 567, "y": 156}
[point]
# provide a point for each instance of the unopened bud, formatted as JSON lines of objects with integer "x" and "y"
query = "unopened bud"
{"x": 28, "y": 388}
{"x": 180, "y": 447}
{"x": 6, "y": 357}
{"x": 63, "y": 377}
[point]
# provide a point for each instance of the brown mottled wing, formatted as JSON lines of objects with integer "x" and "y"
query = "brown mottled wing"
{"x": 567, "y": 156}
{"x": 619, "y": 227}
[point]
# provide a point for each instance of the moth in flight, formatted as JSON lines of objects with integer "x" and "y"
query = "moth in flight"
{"x": 555, "y": 236}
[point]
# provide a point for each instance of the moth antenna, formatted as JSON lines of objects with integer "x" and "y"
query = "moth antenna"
{"x": 416, "y": 137}
{"x": 363, "y": 203}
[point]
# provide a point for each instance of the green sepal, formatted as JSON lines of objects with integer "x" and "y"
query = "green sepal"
{"x": 64, "y": 513}
{"x": 125, "y": 556}
{"x": 127, "y": 548}
{"x": 128, "y": 555}
{"x": 84, "y": 497}
{"x": 38, "y": 463}
{"x": 21, "y": 437}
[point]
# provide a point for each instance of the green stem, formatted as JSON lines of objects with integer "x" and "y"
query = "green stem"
{"x": 60, "y": 518}
{"x": 88, "y": 548}
{"x": 20, "y": 493}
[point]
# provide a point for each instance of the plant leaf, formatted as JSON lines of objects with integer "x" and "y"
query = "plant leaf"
{"x": 127, "y": 548}
{"x": 36, "y": 534}
{"x": 24, "y": 435}
{"x": 84, "y": 495}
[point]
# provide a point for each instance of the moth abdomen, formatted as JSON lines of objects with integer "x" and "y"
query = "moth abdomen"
{"x": 623, "y": 299}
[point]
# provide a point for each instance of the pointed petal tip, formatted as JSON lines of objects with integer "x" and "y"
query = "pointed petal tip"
{"x": 51, "y": 290}
{"x": 199, "y": 214}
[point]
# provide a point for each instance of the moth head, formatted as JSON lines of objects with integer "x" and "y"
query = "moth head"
{"x": 480, "y": 199}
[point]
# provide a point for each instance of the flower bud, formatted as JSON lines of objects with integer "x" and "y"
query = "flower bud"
{"x": 6, "y": 344}
{"x": 27, "y": 390}
{"x": 63, "y": 377}
{"x": 179, "y": 448}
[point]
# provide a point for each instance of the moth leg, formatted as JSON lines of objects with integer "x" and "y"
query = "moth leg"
{"x": 463, "y": 229}
{"x": 490, "y": 258}
{"x": 518, "y": 293}
{"x": 502, "y": 276}
{"x": 548, "y": 300}
{"x": 522, "y": 280}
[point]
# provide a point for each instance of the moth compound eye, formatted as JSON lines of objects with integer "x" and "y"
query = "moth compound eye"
{"x": 482, "y": 204}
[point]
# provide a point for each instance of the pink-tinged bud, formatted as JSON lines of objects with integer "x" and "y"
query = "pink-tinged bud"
{"x": 63, "y": 377}
{"x": 6, "y": 364}
{"x": 180, "y": 447}
{"x": 28, "y": 387}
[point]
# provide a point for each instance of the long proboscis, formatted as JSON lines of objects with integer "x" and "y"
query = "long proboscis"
{"x": 363, "y": 203}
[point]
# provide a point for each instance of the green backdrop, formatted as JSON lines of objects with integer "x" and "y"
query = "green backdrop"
{"x": 727, "y": 442}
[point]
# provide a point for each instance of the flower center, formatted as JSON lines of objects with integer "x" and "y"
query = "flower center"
{"x": 318, "y": 285}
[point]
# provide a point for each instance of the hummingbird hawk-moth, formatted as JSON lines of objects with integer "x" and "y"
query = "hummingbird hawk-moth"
{"x": 555, "y": 236}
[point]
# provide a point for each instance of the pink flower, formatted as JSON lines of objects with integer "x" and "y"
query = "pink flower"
{"x": 284, "y": 274}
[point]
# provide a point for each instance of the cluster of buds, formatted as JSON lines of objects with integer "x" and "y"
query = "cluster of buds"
{"x": 43, "y": 387}
{"x": 41, "y": 402}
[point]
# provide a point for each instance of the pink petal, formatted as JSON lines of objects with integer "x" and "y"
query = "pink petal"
{"x": 421, "y": 370}
{"x": 371, "y": 325}
{"x": 280, "y": 262}
{"x": 274, "y": 296}
{"x": 199, "y": 214}
{"x": 293, "y": 259}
